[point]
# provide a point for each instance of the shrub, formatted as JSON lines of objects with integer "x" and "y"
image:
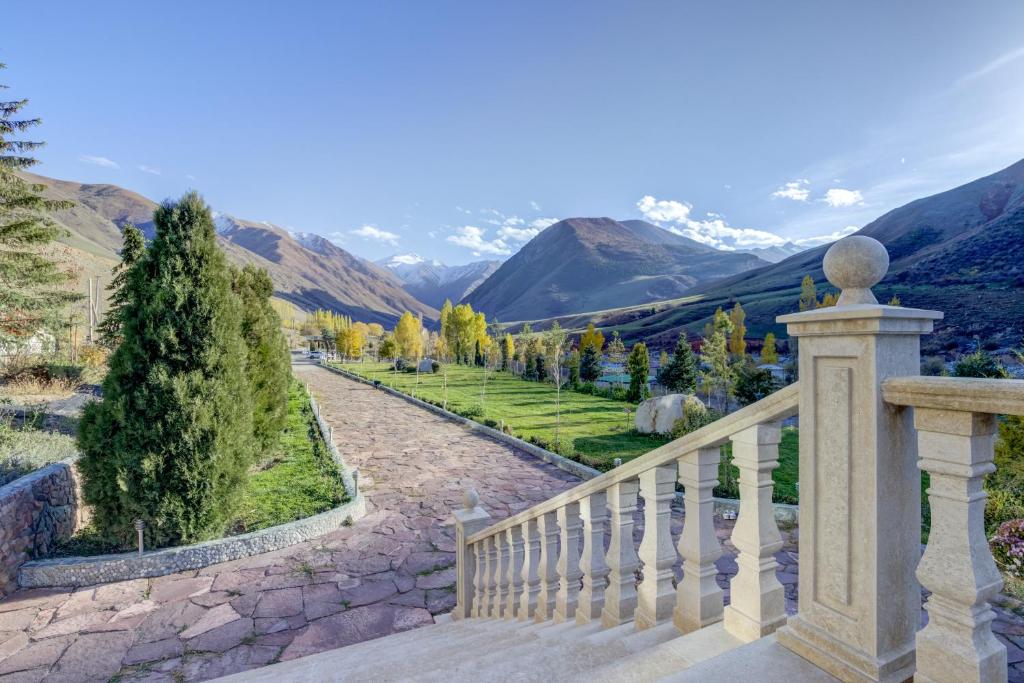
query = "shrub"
{"x": 472, "y": 412}
{"x": 695, "y": 416}
{"x": 435, "y": 366}
{"x": 1008, "y": 547}
{"x": 1002, "y": 506}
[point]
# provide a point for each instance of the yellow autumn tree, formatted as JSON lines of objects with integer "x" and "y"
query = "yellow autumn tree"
{"x": 408, "y": 337}
{"x": 769, "y": 354}
{"x": 592, "y": 337}
{"x": 737, "y": 340}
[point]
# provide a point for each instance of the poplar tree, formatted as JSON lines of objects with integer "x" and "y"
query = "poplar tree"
{"x": 808, "y": 294}
{"x": 30, "y": 294}
{"x": 508, "y": 351}
{"x": 616, "y": 349}
{"x": 737, "y": 339}
{"x": 171, "y": 441}
{"x": 591, "y": 337}
{"x": 769, "y": 354}
{"x": 132, "y": 249}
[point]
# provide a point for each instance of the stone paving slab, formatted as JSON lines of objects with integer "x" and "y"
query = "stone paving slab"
{"x": 390, "y": 572}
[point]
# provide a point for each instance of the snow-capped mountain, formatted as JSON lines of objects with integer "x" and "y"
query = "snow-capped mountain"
{"x": 432, "y": 282}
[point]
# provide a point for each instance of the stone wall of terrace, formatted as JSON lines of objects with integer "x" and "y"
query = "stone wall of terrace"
{"x": 36, "y": 511}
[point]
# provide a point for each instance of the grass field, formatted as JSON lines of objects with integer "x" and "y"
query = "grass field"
{"x": 594, "y": 430}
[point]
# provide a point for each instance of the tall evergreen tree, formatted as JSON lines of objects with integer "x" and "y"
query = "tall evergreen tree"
{"x": 680, "y": 375}
{"x": 639, "y": 366}
{"x": 268, "y": 363}
{"x": 30, "y": 294}
{"x": 171, "y": 441}
{"x": 590, "y": 364}
{"x": 132, "y": 249}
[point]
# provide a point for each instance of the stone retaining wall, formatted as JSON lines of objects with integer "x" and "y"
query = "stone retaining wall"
{"x": 87, "y": 571}
{"x": 785, "y": 514}
{"x": 36, "y": 511}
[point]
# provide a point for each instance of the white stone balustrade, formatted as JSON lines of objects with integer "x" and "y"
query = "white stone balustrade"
{"x": 698, "y": 597}
{"x": 469, "y": 520}
{"x": 620, "y": 596}
{"x": 656, "y": 596}
{"x": 501, "y": 556}
{"x": 594, "y": 514}
{"x": 757, "y": 603}
{"x": 531, "y": 574}
{"x": 514, "y": 539}
{"x": 569, "y": 573}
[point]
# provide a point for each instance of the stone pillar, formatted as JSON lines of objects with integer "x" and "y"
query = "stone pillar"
{"x": 547, "y": 528}
{"x": 620, "y": 596}
{"x": 594, "y": 512}
{"x": 469, "y": 520}
{"x": 531, "y": 577}
{"x": 698, "y": 596}
{"x": 569, "y": 573}
{"x": 656, "y": 596}
{"x": 757, "y": 604}
{"x": 860, "y": 512}
{"x": 957, "y": 645}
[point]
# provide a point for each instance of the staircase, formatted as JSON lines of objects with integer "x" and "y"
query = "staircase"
{"x": 562, "y": 592}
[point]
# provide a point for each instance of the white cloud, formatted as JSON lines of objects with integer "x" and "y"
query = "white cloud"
{"x": 986, "y": 69}
{"x": 406, "y": 259}
{"x": 472, "y": 238}
{"x": 825, "y": 239}
{"x": 840, "y": 197}
{"x": 371, "y": 233}
{"x": 149, "y": 169}
{"x": 664, "y": 210}
{"x": 98, "y": 161}
{"x": 190, "y": 176}
{"x": 535, "y": 206}
{"x": 527, "y": 233}
{"x": 797, "y": 190}
{"x": 714, "y": 231}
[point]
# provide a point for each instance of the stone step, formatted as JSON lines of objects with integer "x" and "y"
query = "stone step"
{"x": 669, "y": 656}
{"x": 764, "y": 661}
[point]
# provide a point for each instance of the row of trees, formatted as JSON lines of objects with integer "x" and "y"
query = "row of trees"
{"x": 197, "y": 387}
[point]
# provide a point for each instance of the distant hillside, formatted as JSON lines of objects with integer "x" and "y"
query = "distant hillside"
{"x": 432, "y": 281}
{"x": 585, "y": 264}
{"x": 307, "y": 270}
{"x": 959, "y": 251}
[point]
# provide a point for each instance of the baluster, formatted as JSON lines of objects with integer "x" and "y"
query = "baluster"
{"x": 569, "y": 573}
{"x": 955, "y": 448}
{"x": 500, "y": 576}
{"x": 514, "y": 538}
{"x": 547, "y": 527}
{"x": 656, "y": 594}
{"x": 531, "y": 576}
{"x": 757, "y": 604}
{"x": 594, "y": 513}
{"x": 490, "y": 559}
{"x": 698, "y": 597}
{"x": 620, "y": 596}
{"x": 479, "y": 579}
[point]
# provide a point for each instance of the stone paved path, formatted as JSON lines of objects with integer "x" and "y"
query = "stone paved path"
{"x": 389, "y": 572}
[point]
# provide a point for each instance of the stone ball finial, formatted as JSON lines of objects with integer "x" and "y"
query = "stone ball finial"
{"x": 855, "y": 264}
{"x": 470, "y": 499}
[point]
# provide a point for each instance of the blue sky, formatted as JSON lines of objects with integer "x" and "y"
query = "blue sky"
{"x": 457, "y": 130}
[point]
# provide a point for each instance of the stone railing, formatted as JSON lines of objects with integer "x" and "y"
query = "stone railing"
{"x": 860, "y": 512}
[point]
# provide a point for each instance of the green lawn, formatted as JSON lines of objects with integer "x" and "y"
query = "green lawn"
{"x": 298, "y": 481}
{"x": 594, "y": 430}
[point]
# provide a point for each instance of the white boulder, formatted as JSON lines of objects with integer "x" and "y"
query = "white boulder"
{"x": 657, "y": 415}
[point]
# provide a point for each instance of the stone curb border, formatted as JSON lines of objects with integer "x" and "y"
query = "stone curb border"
{"x": 788, "y": 514}
{"x": 88, "y": 571}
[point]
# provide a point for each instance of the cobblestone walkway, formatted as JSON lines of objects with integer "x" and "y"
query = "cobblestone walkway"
{"x": 389, "y": 572}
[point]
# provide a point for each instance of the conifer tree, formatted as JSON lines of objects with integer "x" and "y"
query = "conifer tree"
{"x": 639, "y": 366}
{"x": 680, "y": 374}
{"x": 30, "y": 294}
{"x": 508, "y": 352}
{"x": 769, "y": 354}
{"x": 132, "y": 249}
{"x": 590, "y": 365}
{"x": 268, "y": 363}
{"x": 171, "y": 441}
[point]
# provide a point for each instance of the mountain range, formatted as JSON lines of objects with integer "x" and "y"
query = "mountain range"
{"x": 432, "y": 282}
{"x": 588, "y": 264}
{"x": 307, "y": 270}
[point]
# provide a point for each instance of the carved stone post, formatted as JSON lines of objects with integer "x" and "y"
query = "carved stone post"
{"x": 490, "y": 588}
{"x": 620, "y": 596}
{"x": 569, "y": 573}
{"x": 547, "y": 528}
{"x": 514, "y": 539}
{"x": 656, "y": 596}
{"x": 594, "y": 512}
{"x": 531, "y": 576}
{"x": 698, "y": 596}
{"x": 860, "y": 511}
{"x": 468, "y": 521}
{"x": 957, "y": 645}
{"x": 757, "y": 604}
{"x": 501, "y": 552}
